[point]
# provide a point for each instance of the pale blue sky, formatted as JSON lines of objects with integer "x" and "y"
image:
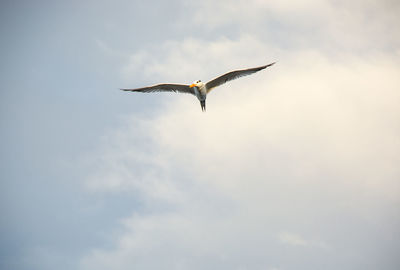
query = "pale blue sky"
{"x": 295, "y": 167}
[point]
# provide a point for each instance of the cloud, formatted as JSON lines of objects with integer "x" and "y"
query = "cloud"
{"x": 296, "y": 240}
{"x": 195, "y": 58}
{"x": 310, "y": 142}
{"x": 292, "y": 239}
{"x": 294, "y": 166}
{"x": 355, "y": 26}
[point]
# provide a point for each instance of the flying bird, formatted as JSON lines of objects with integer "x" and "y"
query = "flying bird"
{"x": 198, "y": 88}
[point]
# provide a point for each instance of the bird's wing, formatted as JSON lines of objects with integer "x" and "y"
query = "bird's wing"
{"x": 233, "y": 75}
{"x": 181, "y": 88}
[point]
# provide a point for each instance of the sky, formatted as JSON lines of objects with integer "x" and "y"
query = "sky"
{"x": 294, "y": 167}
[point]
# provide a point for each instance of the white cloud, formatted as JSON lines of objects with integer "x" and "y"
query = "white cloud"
{"x": 300, "y": 146}
{"x": 191, "y": 58}
{"x": 296, "y": 240}
{"x": 309, "y": 145}
{"x": 292, "y": 239}
{"x": 356, "y": 26}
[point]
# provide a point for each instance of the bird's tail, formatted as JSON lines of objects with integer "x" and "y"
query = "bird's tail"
{"x": 203, "y": 105}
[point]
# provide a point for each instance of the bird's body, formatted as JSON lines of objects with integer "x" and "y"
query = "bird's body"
{"x": 200, "y": 91}
{"x": 198, "y": 88}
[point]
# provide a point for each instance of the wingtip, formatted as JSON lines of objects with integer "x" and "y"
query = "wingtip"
{"x": 273, "y": 63}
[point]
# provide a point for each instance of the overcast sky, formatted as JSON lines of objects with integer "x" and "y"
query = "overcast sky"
{"x": 294, "y": 167}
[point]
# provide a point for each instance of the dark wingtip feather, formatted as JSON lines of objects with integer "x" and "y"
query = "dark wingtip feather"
{"x": 264, "y": 67}
{"x": 273, "y": 63}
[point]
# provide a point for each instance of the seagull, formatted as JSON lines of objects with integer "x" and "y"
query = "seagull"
{"x": 198, "y": 88}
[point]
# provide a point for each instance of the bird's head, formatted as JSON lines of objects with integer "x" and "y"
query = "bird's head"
{"x": 197, "y": 83}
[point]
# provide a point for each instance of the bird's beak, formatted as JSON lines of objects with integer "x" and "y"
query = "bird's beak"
{"x": 192, "y": 85}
